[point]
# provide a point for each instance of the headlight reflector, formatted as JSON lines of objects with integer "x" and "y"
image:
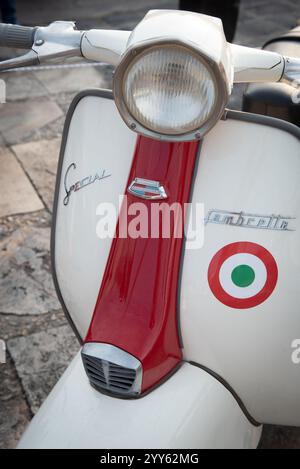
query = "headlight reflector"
{"x": 169, "y": 90}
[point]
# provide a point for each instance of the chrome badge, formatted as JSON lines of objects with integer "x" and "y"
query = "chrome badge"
{"x": 250, "y": 220}
{"x": 82, "y": 183}
{"x": 146, "y": 189}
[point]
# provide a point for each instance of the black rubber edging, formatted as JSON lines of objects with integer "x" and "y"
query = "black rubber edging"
{"x": 230, "y": 389}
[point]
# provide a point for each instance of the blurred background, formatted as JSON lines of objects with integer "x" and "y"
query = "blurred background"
{"x": 31, "y": 123}
{"x": 258, "y": 19}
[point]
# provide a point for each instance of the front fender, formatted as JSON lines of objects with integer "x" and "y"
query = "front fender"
{"x": 190, "y": 410}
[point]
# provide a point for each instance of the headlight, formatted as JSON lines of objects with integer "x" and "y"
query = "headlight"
{"x": 168, "y": 91}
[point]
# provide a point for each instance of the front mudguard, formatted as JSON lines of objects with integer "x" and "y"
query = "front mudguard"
{"x": 189, "y": 410}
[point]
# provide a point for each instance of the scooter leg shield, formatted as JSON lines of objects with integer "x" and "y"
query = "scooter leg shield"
{"x": 189, "y": 410}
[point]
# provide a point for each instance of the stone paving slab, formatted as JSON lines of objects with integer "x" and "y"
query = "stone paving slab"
{"x": 125, "y": 15}
{"x": 39, "y": 159}
{"x": 278, "y": 437}
{"x": 17, "y": 119}
{"x": 17, "y": 193}
{"x": 40, "y": 360}
{"x": 13, "y": 325}
{"x": 67, "y": 80}
{"x": 87, "y": 13}
{"x": 260, "y": 20}
{"x": 14, "y": 412}
{"x": 26, "y": 285}
{"x": 22, "y": 85}
{"x": 47, "y": 132}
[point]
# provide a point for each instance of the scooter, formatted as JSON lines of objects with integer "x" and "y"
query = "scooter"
{"x": 185, "y": 344}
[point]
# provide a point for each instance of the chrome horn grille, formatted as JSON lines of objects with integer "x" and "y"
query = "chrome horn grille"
{"x": 112, "y": 370}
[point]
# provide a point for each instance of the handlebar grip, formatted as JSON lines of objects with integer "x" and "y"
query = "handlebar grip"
{"x": 19, "y": 37}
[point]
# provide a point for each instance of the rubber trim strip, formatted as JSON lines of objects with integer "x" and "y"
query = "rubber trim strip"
{"x": 230, "y": 389}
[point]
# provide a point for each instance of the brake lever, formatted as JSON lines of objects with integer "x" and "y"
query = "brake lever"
{"x": 60, "y": 39}
{"x": 31, "y": 58}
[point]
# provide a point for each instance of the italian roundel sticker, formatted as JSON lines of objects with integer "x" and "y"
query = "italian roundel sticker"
{"x": 242, "y": 275}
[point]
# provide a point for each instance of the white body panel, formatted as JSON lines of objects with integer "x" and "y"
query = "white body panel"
{"x": 191, "y": 410}
{"x": 243, "y": 166}
{"x": 97, "y": 140}
{"x": 255, "y": 169}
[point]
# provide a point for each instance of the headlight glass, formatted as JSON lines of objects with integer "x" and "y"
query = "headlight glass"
{"x": 169, "y": 90}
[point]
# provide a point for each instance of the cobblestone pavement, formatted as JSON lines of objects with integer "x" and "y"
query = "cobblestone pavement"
{"x": 31, "y": 320}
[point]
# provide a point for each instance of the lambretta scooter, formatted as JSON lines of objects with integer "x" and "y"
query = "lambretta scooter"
{"x": 182, "y": 347}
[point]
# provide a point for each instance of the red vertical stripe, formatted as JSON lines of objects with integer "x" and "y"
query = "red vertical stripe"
{"x": 136, "y": 308}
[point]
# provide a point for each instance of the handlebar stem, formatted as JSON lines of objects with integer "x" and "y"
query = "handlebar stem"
{"x": 291, "y": 74}
{"x": 104, "y": 45}
{"x": 256, "y": 65}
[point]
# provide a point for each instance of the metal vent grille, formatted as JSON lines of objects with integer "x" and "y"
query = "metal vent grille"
{"x": 111, "y": 369}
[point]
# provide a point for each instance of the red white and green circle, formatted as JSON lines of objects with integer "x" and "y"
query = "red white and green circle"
{"x": 242, "y": 275}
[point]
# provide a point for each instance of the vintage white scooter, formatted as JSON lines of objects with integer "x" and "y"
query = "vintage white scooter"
{"x": 182, "y": 347}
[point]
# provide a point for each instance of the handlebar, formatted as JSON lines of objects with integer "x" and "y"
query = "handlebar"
{"x": 61, "y": 40}
{"x": 19, "y": 37}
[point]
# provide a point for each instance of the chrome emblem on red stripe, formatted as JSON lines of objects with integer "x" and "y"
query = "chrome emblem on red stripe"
{"x": 149, "y": 190}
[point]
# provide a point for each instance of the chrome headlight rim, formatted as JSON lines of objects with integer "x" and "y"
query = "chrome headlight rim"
{"x": 217, "y": 73}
